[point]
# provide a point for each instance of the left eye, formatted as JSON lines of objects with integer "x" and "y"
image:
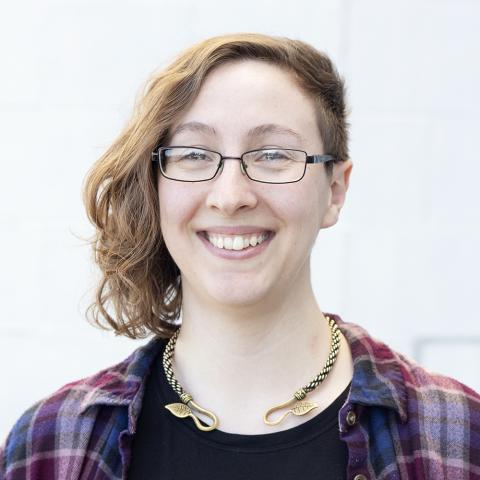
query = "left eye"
{"x": 273, "y": 155}
{"x": 270, "y": 155}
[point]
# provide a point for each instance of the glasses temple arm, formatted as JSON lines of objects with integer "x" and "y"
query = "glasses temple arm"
{"x": 320, "y": 158}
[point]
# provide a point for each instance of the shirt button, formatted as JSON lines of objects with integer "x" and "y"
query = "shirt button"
{"x": 351, "y": 419}
{"x": 360, "y": 477}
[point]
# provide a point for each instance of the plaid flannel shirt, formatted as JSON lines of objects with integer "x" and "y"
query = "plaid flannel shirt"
{"x": 399, "y": 421}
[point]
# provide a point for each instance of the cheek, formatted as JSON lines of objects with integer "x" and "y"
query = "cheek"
{"x": 178, "y": 204}
{"x": 300, "y": 204}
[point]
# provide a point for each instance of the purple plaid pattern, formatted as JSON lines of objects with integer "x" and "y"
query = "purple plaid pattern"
{"x": 407, "y": 423}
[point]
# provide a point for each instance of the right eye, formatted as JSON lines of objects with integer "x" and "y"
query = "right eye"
{"x": 194, "y": 155}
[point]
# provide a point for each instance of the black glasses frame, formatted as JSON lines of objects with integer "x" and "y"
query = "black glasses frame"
{"x": 158, "y": 155}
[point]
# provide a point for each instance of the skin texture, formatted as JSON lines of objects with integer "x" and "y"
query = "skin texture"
{"x": 252, "y": 328}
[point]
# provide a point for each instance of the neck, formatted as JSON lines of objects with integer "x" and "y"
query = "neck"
{"x": 250, "y": 357}
{"x": 250, "y": 337}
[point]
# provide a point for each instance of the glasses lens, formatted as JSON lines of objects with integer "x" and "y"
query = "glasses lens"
{"x": 275, "y": 165}
{"x": 189, "y": 163}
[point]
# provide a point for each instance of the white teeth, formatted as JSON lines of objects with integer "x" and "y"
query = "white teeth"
{"x": 237, "y": 242}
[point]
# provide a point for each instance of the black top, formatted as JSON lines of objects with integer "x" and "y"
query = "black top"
{"x": 167, "y": 447}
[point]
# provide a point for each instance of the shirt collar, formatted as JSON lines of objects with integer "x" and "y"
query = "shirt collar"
{"x": 124, "y": 383}
{"x": 377, "y": 375}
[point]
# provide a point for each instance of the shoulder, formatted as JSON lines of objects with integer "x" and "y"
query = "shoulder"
{"x": 442, "y": 421}
{"x": 389, "y": 364}
{"x": 439, "y": 403}
{"x": 434, "y": 415}
{"x": 59, "y": 425}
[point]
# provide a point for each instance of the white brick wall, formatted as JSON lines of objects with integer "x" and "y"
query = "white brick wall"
{"x": 404, "y": 259}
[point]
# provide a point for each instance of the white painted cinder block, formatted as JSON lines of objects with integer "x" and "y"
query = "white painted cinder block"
{"x": 414, "y": 55}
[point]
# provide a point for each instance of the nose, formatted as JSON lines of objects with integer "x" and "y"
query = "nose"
{"x": 231, "y": 190}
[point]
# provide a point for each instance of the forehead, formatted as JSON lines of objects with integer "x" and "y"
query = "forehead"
{"x": 252, "y": 99}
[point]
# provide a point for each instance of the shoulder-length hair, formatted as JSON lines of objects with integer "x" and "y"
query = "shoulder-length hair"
{"x": 140, "y": 290}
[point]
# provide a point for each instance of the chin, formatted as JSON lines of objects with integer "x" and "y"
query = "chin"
{"x": 238, "y": 295}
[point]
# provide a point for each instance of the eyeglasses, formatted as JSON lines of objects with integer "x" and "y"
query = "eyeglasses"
{"x": 270, "y": 165}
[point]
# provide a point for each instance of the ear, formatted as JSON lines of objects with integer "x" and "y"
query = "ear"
{"x": 338, "y": 188}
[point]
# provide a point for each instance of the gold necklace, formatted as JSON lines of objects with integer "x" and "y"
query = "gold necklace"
{"x": 185, "y": 409}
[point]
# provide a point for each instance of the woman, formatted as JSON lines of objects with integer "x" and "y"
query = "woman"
{"x": 208, "y": 206}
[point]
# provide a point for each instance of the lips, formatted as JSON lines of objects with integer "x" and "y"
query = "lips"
{"x": 235, "y": 230}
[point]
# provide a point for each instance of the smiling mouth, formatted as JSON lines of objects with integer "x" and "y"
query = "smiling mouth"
{"x": 236, "y": 242}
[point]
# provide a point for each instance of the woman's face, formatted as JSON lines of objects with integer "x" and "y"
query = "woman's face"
{"x": 235, "y": 98}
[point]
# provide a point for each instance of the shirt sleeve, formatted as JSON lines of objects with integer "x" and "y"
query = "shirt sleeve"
{"x": 3, "y": 447}
{"x": 14, "y": 450}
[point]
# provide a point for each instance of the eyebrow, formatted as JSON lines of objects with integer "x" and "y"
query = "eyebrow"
{"x": 273, "y": 128}
{"x": 194, "y": 127}
{"x": 257, "y": 131}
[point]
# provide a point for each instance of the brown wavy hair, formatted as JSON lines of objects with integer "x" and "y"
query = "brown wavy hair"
{"x": 140, "y": 290}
